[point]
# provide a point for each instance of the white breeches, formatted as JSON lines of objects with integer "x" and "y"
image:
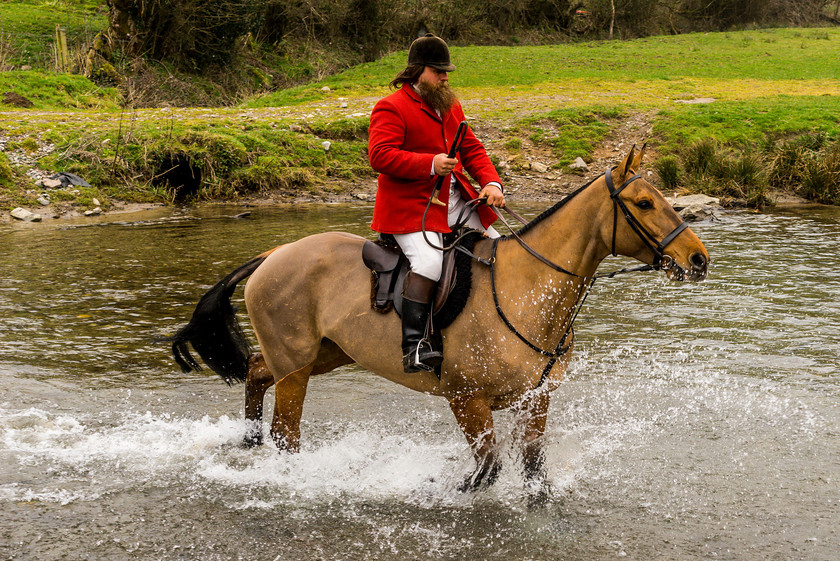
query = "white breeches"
{"x": 426, "y": 260}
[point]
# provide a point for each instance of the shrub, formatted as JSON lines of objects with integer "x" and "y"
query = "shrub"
{"x": 821, "y": 176}
{"x": 724, "y": 173}
{"x": 698, "y": 157}
{"x": 786, "y": 166}
{"x": 739, "y": 176}
{"x": 190, "y": 33}
{"x": 807, "y": 164}
{"x": 668, "y": 169}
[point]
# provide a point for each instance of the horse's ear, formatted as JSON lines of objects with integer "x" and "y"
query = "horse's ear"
{"x": 625, "y": 166}
{"x": 637, "y": 160}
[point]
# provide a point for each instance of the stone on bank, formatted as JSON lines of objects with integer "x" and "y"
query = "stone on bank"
{"x": 25, "y": 215}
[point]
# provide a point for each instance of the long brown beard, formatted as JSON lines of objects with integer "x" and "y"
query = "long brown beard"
{"x": 440, "y": 97}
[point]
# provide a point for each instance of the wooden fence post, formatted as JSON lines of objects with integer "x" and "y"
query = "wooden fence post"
{"x": 62, "y": 55}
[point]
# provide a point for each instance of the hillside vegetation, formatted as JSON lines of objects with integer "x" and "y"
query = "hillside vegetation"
{"x": 735, "y": 114}
{"x": 219, "y": 52}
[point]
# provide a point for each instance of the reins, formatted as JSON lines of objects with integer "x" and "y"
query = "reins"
{"x": 561, "y": 348}
{"x": 585, "y": 288}
{"x": 657, "y": 247}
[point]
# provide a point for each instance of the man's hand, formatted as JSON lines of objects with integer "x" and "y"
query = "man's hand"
{"x": 444, "y": 164}
{"x": 494, "y": 195}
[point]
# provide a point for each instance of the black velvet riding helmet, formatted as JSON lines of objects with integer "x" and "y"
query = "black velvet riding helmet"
{"x": 430, "y": 50}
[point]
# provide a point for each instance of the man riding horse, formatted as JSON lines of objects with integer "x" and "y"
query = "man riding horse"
{"x": 411, "y": 131}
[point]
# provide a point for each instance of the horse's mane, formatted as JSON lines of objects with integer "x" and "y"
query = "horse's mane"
{"x": 546, "y": 213}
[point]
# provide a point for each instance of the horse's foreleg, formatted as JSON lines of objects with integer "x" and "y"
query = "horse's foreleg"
{"x": 257, "y": 382}
{"x": 288, "y": 409}
{"x": 536, "y": 412}
{"x": 475, "y": 418}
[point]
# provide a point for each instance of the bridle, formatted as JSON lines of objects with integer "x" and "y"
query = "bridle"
{"x": 657, "y": 247}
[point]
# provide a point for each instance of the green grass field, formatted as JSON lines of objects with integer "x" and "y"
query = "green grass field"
{"x": 672, "y": 65}
{"x": 768, "y": 87}
{"x": 27, "y": 29}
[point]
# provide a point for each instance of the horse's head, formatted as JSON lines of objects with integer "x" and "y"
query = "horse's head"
{"x": 645, "y": 226}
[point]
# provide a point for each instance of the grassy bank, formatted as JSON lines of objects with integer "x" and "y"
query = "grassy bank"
{"x": 27, "y": 30}
{"x": 762, "y": 106}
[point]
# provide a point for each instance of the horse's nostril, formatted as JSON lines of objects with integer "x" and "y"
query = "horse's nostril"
{"x": 698, "y": 261}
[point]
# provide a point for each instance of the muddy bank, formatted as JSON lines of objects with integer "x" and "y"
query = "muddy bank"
{"x": 530, "y": 173}
{"x": 521, "y": 188}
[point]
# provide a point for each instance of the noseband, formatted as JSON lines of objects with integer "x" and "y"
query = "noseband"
{"x": 657, "y": 247}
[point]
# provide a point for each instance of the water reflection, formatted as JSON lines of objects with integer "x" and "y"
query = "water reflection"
{"x": 698, "y": 420}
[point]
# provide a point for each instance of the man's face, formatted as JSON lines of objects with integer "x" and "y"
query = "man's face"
{"x": 433, "y": 76}
{"x": 433, "y": 86}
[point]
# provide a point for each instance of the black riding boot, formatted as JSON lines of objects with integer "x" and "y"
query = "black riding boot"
{"x": 417, "y": 351}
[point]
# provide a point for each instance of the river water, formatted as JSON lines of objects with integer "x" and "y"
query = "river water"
{"x": 698, "y": 421}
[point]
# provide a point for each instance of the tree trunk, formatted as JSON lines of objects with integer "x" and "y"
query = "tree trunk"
{"x": 612, "y": 17}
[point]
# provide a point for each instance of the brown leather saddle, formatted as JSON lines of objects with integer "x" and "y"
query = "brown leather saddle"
{"x": 389, "y": 267}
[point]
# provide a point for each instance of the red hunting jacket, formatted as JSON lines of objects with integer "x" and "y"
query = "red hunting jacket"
{"x": 405, "y": 135}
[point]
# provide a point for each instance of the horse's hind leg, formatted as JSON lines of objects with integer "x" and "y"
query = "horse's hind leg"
{"x": 288, "y": 408}
{"x": 475, "y": 418}
{"x": 257, "y": 382}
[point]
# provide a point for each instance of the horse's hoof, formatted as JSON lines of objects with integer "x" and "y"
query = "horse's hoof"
{"x": 252, "y": 440}
{"x": 538, "y": 492}
{"x": 481, "y": 478}
{"x": 466, "y": 486}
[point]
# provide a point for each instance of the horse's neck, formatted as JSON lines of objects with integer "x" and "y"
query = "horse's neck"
{"x": 570, "y": 237}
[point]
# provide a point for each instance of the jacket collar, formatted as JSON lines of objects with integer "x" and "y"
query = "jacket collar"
{"x": 408, "y": 89}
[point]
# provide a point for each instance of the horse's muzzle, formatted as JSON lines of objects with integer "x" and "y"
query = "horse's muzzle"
{"x": 697, "y": 271}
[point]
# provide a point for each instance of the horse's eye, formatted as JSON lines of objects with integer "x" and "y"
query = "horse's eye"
{"x": 644, "y": 204}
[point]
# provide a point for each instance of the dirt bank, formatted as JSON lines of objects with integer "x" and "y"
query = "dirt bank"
{"x": 530, "y": 173}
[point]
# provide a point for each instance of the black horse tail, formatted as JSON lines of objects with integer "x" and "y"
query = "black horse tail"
{"x": 214, "y": 332}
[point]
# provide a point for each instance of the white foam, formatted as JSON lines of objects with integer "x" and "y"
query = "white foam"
{"x": 368, "y": 460}
{"x": 598, "y": 412}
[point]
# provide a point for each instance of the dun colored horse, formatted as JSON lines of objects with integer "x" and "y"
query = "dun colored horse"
{"x": 309, "y": 305}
